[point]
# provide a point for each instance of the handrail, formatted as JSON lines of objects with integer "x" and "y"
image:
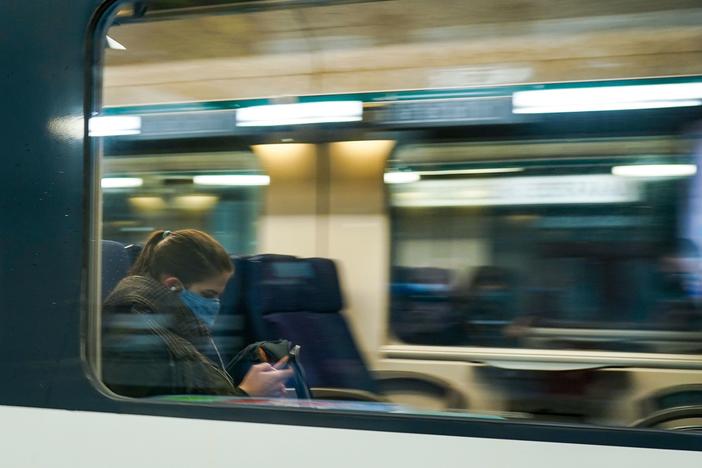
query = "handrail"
{"x": 538, "y": 357}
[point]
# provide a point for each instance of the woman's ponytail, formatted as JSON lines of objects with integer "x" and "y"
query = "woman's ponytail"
{"x": 145, "y": 259}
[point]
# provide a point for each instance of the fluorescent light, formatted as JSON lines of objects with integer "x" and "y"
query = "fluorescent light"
{"x": 595, "y": 106}
{"x": 655, "y": 170}
{"x": 301, "y": 113}
{"x": 487, "y": 170}
{"x": 400, "y": 177}
{"x": 147, "y": 204}
{"x": 195, "y": 202}
{"x": 111, "y": 125}
{"x": 233, "y": 179}
{"x": 121, "y": 182}
{"x": 112, "y": 44}
{"x": 606, "y": 98}
{"x": 405, "y": 177}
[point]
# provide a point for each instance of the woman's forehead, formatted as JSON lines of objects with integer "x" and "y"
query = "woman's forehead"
{"x": 216, "y": 283}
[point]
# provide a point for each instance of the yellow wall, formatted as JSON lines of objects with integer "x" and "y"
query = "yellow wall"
{"x": 359, "y": 236}
{"x": 289, "y": 221}
{"x": 328, "y": 200}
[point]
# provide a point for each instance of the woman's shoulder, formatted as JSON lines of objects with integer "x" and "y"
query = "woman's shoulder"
{"x": 138, "y": 291}
{"x": 137, "y": 281}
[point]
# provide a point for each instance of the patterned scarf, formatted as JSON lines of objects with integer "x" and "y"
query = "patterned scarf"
{"x": 142, "y": 315}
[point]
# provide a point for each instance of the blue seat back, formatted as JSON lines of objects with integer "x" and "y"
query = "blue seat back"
{"x": 300, "y": 300}
{"x": 422, "y": 310}
{"x": 133, "y": 251}
{"x": 234, "y": 301}
{"x": 232, "y": 329}
{"x": 115, "y": 265}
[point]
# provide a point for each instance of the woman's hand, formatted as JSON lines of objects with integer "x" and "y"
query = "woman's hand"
{"x": 264, "y": 380}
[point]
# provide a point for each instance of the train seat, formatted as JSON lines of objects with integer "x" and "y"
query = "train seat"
{"x": 234, "y": 299}
{"x": 422, "y": 309}
{"x": 232, "y": 330}
{"x": 677, "y": 408}
{"x": 133, "y": 251}
{"x": 300, "y": 299}
{"x": 115, "y": 265}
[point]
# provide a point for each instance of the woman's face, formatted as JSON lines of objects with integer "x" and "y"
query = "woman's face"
{"x": 211, "y": 287}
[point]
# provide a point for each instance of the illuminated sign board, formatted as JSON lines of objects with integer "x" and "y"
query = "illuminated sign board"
{"x": 474, "y": 110}
{"x": 537, "y": 190}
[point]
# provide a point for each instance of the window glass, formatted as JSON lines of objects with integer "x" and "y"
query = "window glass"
{"x": 144, "y": 192}
{"x": 549, "y": 247}
{"x": 491, "y": 211}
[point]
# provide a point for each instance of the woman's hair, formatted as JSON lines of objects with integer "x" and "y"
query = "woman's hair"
{"x": 188, "y": 254}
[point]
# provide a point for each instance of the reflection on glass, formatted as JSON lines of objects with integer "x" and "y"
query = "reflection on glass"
{"x": 216, "y": 192}
{"x": 582, "y": 253}
{"x": 350, "y": 48}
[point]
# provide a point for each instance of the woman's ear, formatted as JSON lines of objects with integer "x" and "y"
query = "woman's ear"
{"x": 172, "y": 283}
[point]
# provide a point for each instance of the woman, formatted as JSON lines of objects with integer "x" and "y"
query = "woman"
{"x": 156, "y": 338}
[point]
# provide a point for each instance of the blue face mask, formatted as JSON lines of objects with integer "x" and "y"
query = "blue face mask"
{"x": 204, "y": 308}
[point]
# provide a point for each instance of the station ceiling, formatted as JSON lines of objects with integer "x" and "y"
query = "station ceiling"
{"x": 400, "y": 44}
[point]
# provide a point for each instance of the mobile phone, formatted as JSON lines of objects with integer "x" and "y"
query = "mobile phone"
{"x": 293, "y": 354}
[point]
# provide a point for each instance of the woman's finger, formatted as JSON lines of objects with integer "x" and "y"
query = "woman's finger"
{"x": 263, "y": 367}
{"x": 282, "y": 363}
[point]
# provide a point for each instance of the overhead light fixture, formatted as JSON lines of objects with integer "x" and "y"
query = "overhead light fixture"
{"x": 113, "y": 125}
{"x": 300, "y": 113}
{"x": 148, "y": 203}
{"x": 607, "y": 98}
{"x": 487, "y": 170}
{"x": 232, "y": 179}
{"x": 405, "y": 177}
{"x": 121, "y": 182}
{"x": 114, "y": 45}
{"x": 655, "y": 170}
{"x": 195, "y": 202}
{"x": 400, "y": 177}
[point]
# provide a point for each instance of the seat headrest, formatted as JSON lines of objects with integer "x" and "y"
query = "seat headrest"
{"x": 115, "y": 265}
{"x": 278, "y": 283}
{"x": 237, "y": 284}
{"x": 423, "y": 275}
{"x": 133, "y": 251}
{"x": 421, "y": 281}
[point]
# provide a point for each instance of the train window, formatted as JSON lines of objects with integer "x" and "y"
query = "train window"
{"x": 494, "y": 208}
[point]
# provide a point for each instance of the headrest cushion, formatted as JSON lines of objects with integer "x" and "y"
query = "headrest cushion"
{"x": 289, "y": 284}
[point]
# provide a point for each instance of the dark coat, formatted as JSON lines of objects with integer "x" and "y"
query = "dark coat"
{"x": 154, "y": 345}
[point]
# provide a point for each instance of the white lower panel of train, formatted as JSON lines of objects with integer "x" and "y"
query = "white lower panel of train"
{"x": 32, "y": 437}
